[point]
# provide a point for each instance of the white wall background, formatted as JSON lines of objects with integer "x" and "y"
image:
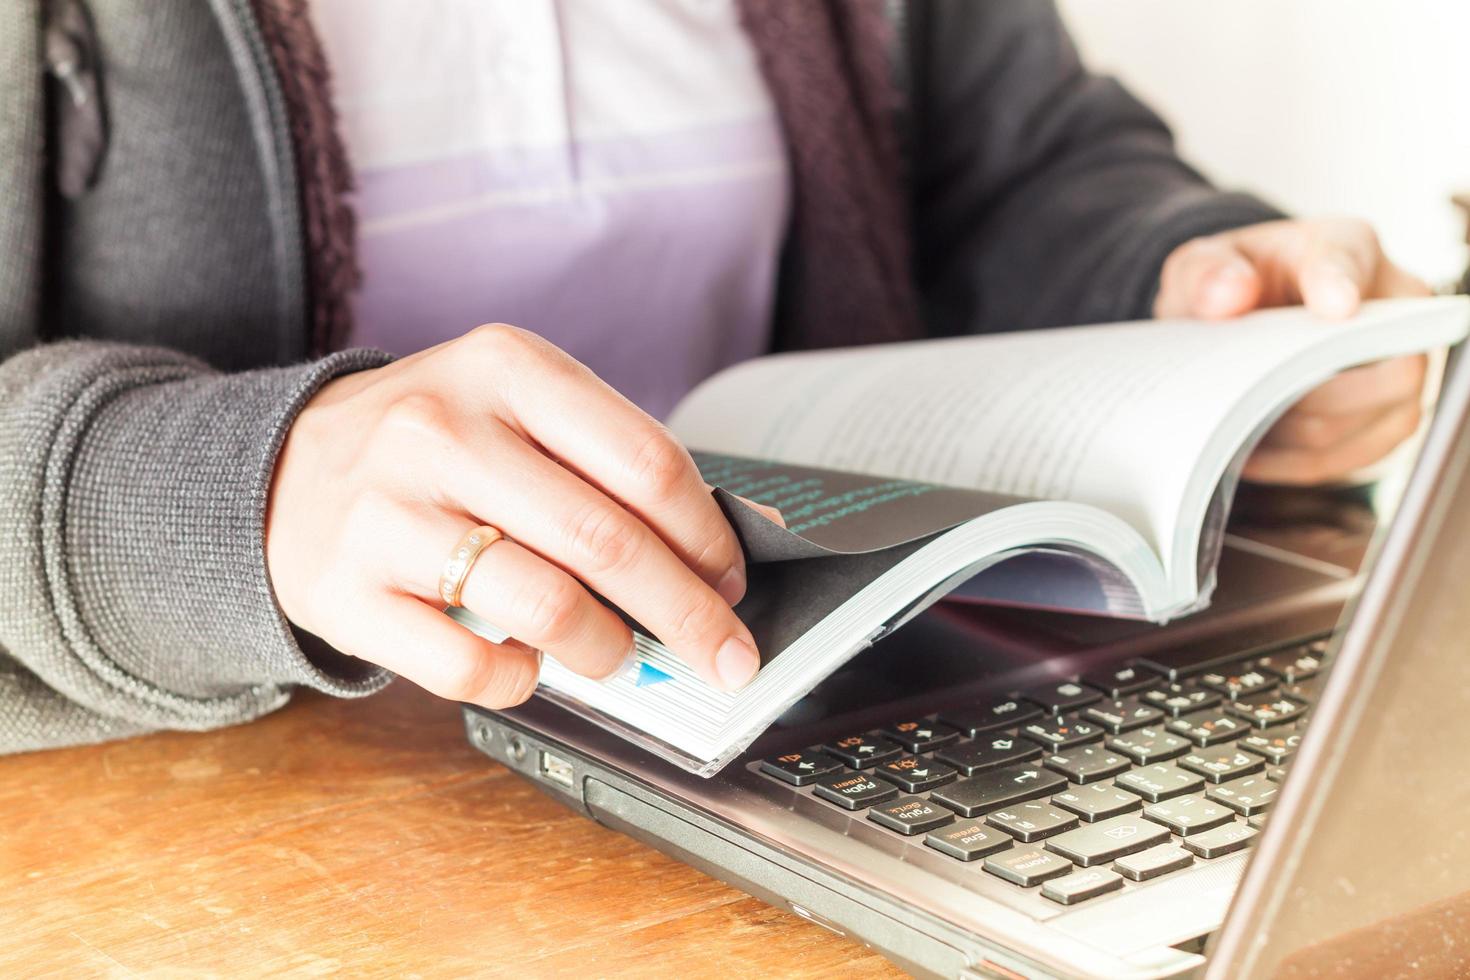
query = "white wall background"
{"x": 1322, "y": 106}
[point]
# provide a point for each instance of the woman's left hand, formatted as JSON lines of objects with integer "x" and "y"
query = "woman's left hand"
{"x": 1331, "y": 266}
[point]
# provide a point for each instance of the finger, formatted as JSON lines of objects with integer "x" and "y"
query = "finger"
{"x": 418, "y": 642}
{"x": 1208, "y": 278}
{"x": 1393, "y": 281}
{"x": 1338, "y": 267}
{"x": 1302, "y": 467}
{"x": 1321, "y": 433}
{"x": 769, "y": 513}
{"x": 527, "y": 597}
{"x": 1367, "y": 387}
{"x": 564, "y": 520}
{"x": 612, "y": 444}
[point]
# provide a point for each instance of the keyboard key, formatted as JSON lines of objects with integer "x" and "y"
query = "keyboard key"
{"x": 920, "y": 736}
{"x": 1027, "y": 866}
{"x": 1224, "y": 839}
{"x": 862, "y": 751}
{"x": 1222, "y": 765}
{"x": 1276, "y": 773}
{"x": 853, "y": 790}
{"x": 1180, "y": 699}
{"x": 914, "y": 774}
{"x": 1206, "y": 728}
{"x": 1087, "y": 763}
{"x": 1148, "y": 745}
{"x": 1258, "y": 822}
{"x": 1123, "y": 715}
{"x": 1290, "y": 665}
{"x": 1099, "y": 843}
{"x": 1098, "y": 801}
{"x": 1275, "y": 745}
{"x": 1266, "y": 711}
{"x": 1159, "y": 781}
{"x": 968, "y": 840}
{"x": 800, "y": 768}
{"x": 1176, "y": 665}
{"x": 998, "y": 788}
{"x": 1117, "y": 682}
{"x": 1186, "y": 815}
{"x": 1153, "y": 862}
{"x": 988, "y": 717}
{"x": 1238, "y": 681}
{"x": 989, "y": 751}
{"x": 1081, "y": 885}
{"x": 1063, "y": 732}
{"x": 910, "y": 815}
{"x": 1033, "y": 821}
{"x": 1062, "y": 697}
{"x": 1247, "y": 796}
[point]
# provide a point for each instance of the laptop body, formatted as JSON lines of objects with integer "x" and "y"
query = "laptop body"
{"x": 998, "y": 793}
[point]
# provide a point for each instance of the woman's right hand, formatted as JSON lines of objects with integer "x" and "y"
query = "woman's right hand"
{"x": 385, "y": 470}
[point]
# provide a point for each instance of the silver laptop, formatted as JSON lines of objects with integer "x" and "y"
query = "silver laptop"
{"x": 1277, "y": 787}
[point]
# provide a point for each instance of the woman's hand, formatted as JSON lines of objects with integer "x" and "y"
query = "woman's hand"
{"x": 385, "y": 470}
{"x": 1330, "y": 265}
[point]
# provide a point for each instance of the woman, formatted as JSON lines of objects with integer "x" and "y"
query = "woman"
{"x": 215, "y": 490}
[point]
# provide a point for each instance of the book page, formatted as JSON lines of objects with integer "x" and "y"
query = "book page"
{"x": 1127, "y": 417}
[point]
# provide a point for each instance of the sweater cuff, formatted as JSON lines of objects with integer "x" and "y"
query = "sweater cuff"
{"x": 157, "y": 571}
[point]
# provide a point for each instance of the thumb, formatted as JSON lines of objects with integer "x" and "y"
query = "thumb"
{"x": 1208, "y": 278}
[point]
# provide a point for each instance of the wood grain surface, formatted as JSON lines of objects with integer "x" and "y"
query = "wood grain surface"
{"x": 353, "y": 838}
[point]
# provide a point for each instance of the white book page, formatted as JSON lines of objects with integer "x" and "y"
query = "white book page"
{"x": 1119, "y": 416}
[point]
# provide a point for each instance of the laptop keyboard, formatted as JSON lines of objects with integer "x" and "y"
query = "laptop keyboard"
{"x": 1128, "y": 774}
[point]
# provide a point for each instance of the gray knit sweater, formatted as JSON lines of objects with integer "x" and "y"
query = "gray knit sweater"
{"x": 153, "y": 330}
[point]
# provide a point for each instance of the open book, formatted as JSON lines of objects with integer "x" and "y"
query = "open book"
{"x": 1087, "y": 469}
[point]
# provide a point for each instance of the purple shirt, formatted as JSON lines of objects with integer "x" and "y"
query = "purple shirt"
{"x": 610, "y": 176}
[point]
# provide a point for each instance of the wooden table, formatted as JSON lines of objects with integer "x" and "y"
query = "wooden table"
{"x": 352, "y": 838}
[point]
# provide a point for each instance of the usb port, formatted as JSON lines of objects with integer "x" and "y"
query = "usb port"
{"x": 555, "y": 770}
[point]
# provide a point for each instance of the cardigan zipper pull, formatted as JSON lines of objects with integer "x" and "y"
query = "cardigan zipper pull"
{"x": 78, "y": 118}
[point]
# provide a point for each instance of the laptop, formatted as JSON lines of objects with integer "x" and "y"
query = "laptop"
{"x": 1275, "y": 787}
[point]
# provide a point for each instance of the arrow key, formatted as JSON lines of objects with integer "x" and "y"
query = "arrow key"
{"x": 914, "y": 774}
{"x": 920, "y": 736}
{"x": 799, "y": 768}
{"x": 863, "y": 751}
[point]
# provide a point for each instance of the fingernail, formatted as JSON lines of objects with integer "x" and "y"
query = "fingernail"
{"x": 1234, "y": 271}
{"x": 1342, "y": 294}
{"x": 626, "y": 664}
{"x": 732, "y": 585}
{"x": 1224, "y": 287}
{"x": 736, "y": 664}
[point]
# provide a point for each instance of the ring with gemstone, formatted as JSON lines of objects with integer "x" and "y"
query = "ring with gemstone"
{"x": 462, "y": 559}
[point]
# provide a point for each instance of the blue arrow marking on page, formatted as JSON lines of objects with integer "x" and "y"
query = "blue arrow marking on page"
{"x": 649, "y": 674}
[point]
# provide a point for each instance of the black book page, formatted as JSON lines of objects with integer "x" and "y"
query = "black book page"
{"x": 844, "y": 531}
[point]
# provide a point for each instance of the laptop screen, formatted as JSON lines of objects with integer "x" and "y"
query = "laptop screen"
{"x": 1366, "y": 864}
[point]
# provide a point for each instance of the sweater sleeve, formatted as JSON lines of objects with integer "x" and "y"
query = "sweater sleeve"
{"x": 134, "y": 593}
{"x": 1044, "y": 195}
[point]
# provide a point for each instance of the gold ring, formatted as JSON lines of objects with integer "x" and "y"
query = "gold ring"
{"x": 462, "y": 559}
